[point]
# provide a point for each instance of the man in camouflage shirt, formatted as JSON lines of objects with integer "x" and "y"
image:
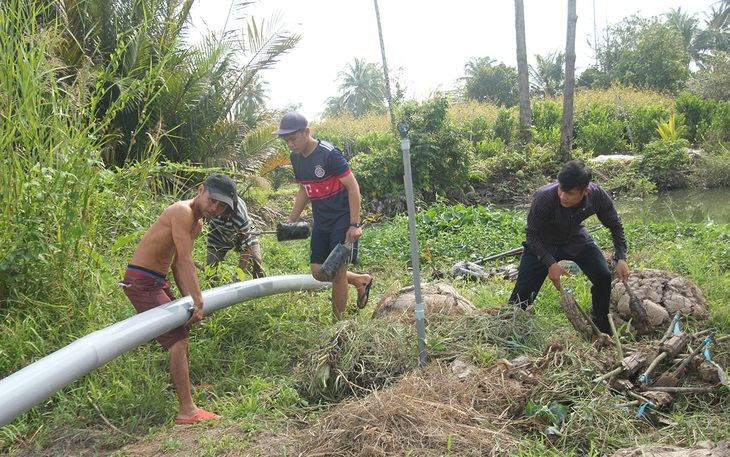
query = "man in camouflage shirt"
{"x": 234, "y": 231}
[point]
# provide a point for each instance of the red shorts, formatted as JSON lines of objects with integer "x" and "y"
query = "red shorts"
{"x": 146, "y": 290}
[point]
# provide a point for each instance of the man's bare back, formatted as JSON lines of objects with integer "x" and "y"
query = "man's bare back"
{"x": 178, "y": 223}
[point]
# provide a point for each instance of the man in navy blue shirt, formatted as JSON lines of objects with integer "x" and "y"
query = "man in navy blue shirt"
{"x": 555, "y": 232}
{"x": 325, "y": 180}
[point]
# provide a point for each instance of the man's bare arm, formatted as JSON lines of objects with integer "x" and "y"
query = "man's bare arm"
{"x": 353, "y": 192}
{"x": 185, "y": 228}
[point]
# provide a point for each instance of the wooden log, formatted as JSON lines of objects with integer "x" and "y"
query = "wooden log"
{"x": 680, "y": 390}
{"x": 570, "y": 308}
{"x": 638, "y": 312}
{"x": 671, "y": 378}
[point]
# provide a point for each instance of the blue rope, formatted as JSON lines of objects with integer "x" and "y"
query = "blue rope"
{"x": 642, "y": 408}
{"x": 707, "y": 348}
{"x": 676, "y": 324}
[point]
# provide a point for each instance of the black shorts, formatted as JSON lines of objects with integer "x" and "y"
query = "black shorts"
{"x": 322, "y": 243}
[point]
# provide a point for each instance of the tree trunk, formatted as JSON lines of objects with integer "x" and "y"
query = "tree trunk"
{"x": 523, "y": 74}
{"x": 566, "y": 129}
{"x": 385, "y": 65}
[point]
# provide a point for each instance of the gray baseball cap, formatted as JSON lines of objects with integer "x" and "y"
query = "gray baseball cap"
{"x": 290, "y": 123}
{"x": 222, "y": 188}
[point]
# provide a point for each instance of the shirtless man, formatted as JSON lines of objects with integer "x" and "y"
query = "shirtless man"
{"x": 168, "y": 244}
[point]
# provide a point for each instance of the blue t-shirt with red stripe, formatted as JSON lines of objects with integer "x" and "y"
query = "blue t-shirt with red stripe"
{"x": 319, "y": 173}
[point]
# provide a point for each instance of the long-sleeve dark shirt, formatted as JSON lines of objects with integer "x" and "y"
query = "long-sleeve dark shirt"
{"x": 551, "y": 226}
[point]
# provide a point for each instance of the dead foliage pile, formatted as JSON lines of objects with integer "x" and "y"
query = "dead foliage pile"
{"x": 424, "y": 412}
{"x": 356, "y": 358}
{"x": 499, "y": 380}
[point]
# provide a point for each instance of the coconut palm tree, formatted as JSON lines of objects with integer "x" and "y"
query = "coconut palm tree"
{"x": 566, "y": 127}
{"x": 388, "y": 93}
{"x": 485, "y": 81}
{"x": 475, "y": 65}
{"x": 523, "y": 73}
{"x": 193, "y": 101}
{"x": 547, "y": 76}
{"x": 362, "y": 89}
{"x": 716, "y": 35}
{"x": 688, "y": 27}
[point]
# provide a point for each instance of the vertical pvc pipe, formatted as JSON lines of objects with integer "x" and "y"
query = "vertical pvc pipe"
{"x": 33, "y": 384}
{"x": 420, "y": 314}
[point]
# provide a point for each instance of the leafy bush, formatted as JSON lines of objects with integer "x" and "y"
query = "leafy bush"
{"x": 490, "y": 147}
{"x": 479, "y": 130}
{"x": 514, "y": 174}
{"x": 546, "y": 119}
{"x": 718, "y": 133}
{"x": 600, "y": 131}
{"x": 619, "y": 176}
{"x": 379, "y": 174}
{"x": 711, "y": 170}
{"x": 697, "y": 114}
{"x": 665, "y": 163}
{"x": 439, "y": 158}
{"x": 642, "y": 124}
{"x": 506, "y": 125}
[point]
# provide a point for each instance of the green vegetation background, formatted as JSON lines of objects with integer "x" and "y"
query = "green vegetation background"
{"x": 73, "y": 210}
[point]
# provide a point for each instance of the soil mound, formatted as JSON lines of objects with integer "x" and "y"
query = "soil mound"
{"x": 663, "y": 295}
{"x": 436, "y": 297}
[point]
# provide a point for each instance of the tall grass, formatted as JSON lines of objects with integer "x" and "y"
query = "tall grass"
{"x": 61, "y": 210}
{"x": 50, "y": 139}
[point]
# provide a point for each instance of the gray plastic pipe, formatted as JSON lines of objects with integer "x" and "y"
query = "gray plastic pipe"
{"x": 419, "y": 311}
{"x": 33, "y": 384}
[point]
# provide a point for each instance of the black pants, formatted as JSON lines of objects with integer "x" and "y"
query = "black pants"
{"x": 532, "y": 274}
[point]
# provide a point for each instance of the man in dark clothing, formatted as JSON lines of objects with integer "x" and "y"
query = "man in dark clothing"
{"x": 555, "y": 232}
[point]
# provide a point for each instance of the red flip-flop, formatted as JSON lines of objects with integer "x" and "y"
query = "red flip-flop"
{"x": 362, "y": 300}
{"x": 201, "y": 415}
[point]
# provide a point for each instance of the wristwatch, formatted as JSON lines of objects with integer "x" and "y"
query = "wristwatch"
{"x": 355, "y": 224}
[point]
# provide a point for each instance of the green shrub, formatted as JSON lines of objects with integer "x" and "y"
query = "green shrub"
{"x": 642, "y": 124}
{"x": 711, "y": 170}
{"x": 515, "y": 173}
{"x": 620, "y": 176}
{"x": 379, "y": 174}
{"x": 439, "y": 157}
{"x": 478, "y": 130}
{"x": 600, "y": 131}
{"x": 506, "y": 126}
{"x": 718, "y": 133}
{"x": 490, "y": 147}
{"x": 665, "y": 163}
{"x": 546, "y": 119}
{"x": 697, "y": 114}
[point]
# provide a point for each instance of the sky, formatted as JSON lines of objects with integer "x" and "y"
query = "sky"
{"x": 427, "y": 42}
